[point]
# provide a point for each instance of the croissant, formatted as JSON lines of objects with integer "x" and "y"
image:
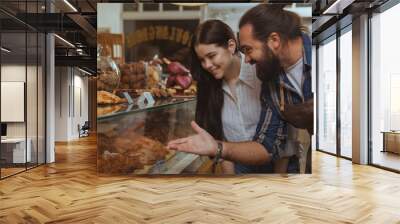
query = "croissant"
{"x": 104, "y": 97}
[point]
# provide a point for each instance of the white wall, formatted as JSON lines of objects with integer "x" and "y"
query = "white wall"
{"x": 33, "y": 127}
{"x": 12, "y": 73}
{"x": 69, "y": 85}
{"x": 229, "y": 13}
{"x": 79, "y": 117}
{"x": 62, "y": 81}
{"x": 110, "y": 17}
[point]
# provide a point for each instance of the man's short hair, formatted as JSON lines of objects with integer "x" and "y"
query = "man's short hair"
{"x": 268, "y": 18}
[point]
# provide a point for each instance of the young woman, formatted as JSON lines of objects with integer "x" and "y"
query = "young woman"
{"x": 228, "y": 97}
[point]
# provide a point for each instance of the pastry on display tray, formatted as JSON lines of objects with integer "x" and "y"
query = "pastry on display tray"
{"x": 108, "y": 77}
{"x": 129, "y": 152}
{"x": 104, "y": 97}
{"x": 133, "y": 75}
{"x": 156, "y": 92}
{"x": 159, "y": 92}
{"x": 107, "y": 80}
{"x": 110, "y": 109}
{"x": 178, "y": 91}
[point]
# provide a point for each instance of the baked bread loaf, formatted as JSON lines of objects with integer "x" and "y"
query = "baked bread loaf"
{"x": 107, "y": 80}
{"x": 104, "y": 97}
{"x": 110, "y": 109}
{"x": 133, "y": 75}
{"x": 127, "y": 152}
{"x": 153, "y": 78}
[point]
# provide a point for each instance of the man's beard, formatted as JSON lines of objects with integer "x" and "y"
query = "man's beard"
{"x": 269, "y": 67}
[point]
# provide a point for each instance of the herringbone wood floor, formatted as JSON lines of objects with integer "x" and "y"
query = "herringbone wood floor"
{"x": 69, "y": 191}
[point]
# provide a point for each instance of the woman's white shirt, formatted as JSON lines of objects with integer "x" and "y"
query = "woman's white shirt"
{"x": 240, "y": 116}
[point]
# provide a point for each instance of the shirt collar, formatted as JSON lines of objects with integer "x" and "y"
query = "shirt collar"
{"x": 247, "y": 75}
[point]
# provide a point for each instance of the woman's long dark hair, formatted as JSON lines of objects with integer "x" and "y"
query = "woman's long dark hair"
{"x": 210, "y": 98}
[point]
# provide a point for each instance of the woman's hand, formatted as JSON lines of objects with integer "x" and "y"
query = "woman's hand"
{"x": 201, "y": 143}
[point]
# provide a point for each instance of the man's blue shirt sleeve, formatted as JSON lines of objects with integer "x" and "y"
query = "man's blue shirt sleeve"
{"x": 271, "y": 129}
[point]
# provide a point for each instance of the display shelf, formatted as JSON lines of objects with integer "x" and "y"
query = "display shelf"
{"x": 134, "y": 141}
{"x": 109, "y": 111}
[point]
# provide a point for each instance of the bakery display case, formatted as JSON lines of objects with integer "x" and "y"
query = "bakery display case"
{"x": 133, "y": 140}
{"x": 130, "y": 65}
{"x": 145, "y": 98}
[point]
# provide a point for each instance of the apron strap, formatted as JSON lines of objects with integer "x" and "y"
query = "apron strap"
{"x": 282, "y": 96}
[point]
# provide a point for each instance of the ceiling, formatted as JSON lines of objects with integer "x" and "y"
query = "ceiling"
{"x": 79, "y": 27}
{"x": 72, "y": 20}
{"x": 325, "y": 22}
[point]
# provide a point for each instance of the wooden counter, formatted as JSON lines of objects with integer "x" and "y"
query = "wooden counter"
{"x": 391, "y": 141}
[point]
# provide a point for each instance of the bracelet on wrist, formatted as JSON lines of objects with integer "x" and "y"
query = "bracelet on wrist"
{"x": 218, "y": 155}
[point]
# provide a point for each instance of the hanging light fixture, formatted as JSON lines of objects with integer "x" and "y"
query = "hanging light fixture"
{"x": 84, "y": 71}
{"x": 5, "y": 50}
{"x": 70, "y": 5}
{"x": 337, "y": 7}
{"x": 65, "y": 41}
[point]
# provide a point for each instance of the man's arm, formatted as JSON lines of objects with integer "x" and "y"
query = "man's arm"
{"x": 202, "y": 143}
{"x": 300, "y": 115}
{"x": 246, "y": 153}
